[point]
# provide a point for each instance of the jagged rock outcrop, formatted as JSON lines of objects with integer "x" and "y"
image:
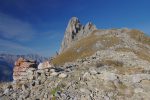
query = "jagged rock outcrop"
{"x": 117, "y": 69}
{"x": 88, "y": 28}
{"x": 21, "y": 66}
{"x": 74, "y": 31}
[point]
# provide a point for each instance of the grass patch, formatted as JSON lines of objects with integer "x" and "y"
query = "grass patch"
{"x": 2, "y": 84}
{"x": 129, "y": 70}
{"x": 120, "y": 69}
{"x": 5, "y": 84}
{"x": 133, "y": 70}
{"x": 54, "y": 92}
{"x": 124, "y": 49}
{"x": 84, "y": 48}
{"x": 112, "y": 63}
{"x": 139, "y": 36}
{"x": 142, "y": 54}
{"x": 124, "y": 90}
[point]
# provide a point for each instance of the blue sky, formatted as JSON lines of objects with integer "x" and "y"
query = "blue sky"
{"x": 38, "y": 26}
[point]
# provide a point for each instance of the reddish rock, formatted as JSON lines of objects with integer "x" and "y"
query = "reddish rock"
{"x": 19, "y": 61}
{"x": 21, "y": 66}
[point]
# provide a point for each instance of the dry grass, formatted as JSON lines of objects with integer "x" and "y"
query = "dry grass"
{"x": 120, "y": 67}
{"x": 112, "y": 63}
{"x": 139, "y": 36}
{"x": 70, "y": 55}
{"x": 109, "y": 86}
{"x": 125, "y": 90}
{"x": 84, "y": 48}
{"x": 129, "y": 70}
{"x": 124, "y": 49}
{"x": 4, "y": 84}
{"x": 142, "y": 54}
{"x": 109, "y": 41}
{"x": 133, "y": 70}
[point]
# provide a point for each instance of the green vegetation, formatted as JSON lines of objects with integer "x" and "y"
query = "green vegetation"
{"x": 57, "y": 89}
{"x": 54, "y": 91}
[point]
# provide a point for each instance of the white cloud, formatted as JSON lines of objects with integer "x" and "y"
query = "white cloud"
{"x": 14, "y": 48}
{"x": 12, "y": 28}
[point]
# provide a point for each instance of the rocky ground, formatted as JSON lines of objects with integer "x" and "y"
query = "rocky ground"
{"x": 101, "y": 76}
{"x": 117, "y": 69}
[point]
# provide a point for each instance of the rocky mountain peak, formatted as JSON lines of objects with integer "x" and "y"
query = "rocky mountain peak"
{"x": 73, "y": 25}
{"x": 112, "y": 64}
{"x": 90, "y": 26}
{"x": 74, "y": 31}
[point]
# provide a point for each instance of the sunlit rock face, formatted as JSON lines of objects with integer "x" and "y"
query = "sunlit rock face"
{"x": 44, "y": 65}
{"x": 74, "y": 31}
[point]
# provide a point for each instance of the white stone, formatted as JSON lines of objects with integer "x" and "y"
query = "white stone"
{"x": 40, "y": 66}
{"x": 52, "y": 70}
{"x": 137, "y": 90}
{"x": 108, "y": 76}
{"x": 6, "y": 91}
{"x": 54, "y": 74}
{"x": 23, "y": 87}
{"x": 62, "y": 75}
{"x": 44, "y": 65}
{"x": 86, "y": 76}
{"x": 93, "y": 71}
{"x": 84, "y": 90}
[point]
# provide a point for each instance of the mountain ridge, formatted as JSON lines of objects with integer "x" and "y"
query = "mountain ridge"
{"x": 111, "y": 64}
{"x": 74, "y": 31}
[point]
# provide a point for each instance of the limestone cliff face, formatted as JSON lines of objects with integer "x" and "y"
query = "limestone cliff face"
{"x": 74, "y": 31}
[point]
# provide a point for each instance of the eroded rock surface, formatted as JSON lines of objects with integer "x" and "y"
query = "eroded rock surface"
{"x": 74, "y": 31}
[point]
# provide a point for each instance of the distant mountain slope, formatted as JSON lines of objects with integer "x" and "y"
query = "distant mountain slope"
{"x": 7, "y": 63}
{"x": 5, "y": 71}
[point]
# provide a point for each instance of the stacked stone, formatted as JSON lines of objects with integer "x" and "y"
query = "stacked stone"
{"x": 21, "y": 66}
{"x": 44, "y": 69}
